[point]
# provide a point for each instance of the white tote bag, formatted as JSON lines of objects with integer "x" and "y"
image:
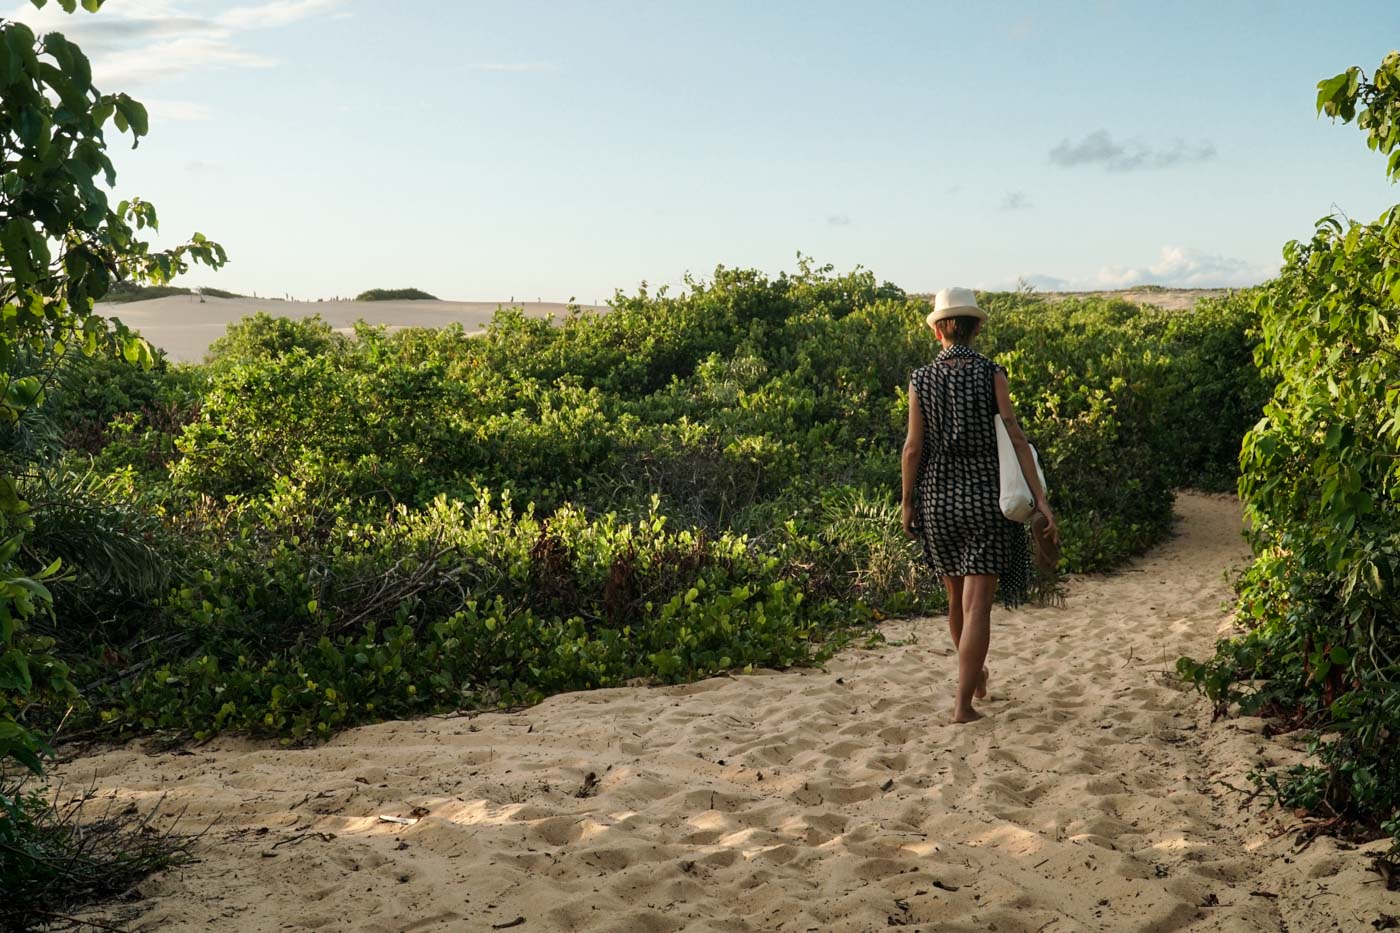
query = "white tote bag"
{"x": 1017, "y": 502}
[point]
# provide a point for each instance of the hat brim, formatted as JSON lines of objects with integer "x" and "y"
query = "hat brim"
{"x": 942, "y": 314}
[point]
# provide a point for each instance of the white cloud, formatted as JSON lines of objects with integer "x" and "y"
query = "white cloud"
{"x": 137, "y": 42}
{"x": 167, "y": 59}
{"x": 1099, "y": 148}
{"x": 1187, "y": 268}
{"x": 1045, "y": 283}
{"x": 1176, "y": 267}
{"x": 275, "y": 13}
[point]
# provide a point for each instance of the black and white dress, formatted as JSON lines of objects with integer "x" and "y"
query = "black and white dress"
{"x": 957, "y": 510}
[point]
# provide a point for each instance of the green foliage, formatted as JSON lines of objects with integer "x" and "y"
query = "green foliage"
{"x": 262, "y": 336}
{"x": 1158, "y": 399}
{"x": 395, "y": 294}
{"x": 123, "y": 292}
{"x": 1379, "y": 101}
{"x": 864, "y": 539}
{"x": 62, "y": 245}
{"x": 1321, "y": 484}
{"x": 709, "y": 481}
{"x": 445, "y": 607}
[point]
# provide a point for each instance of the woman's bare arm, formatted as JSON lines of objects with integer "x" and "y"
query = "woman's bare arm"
{"x": 909, "y": 461}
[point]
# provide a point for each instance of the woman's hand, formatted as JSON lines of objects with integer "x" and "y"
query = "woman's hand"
{"x": 909, "y": 518}
{"x": 1051, "y": 528}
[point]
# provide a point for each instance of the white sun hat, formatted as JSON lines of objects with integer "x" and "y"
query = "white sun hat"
{"x": 955, "y": 302}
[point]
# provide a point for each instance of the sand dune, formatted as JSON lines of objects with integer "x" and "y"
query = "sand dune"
{"x": 799, "y": 801}
{"x": 184, "y": 327}
{"x": 1170, "y": 299}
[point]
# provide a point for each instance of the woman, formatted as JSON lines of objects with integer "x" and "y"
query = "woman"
{"x": 952, "y": 487}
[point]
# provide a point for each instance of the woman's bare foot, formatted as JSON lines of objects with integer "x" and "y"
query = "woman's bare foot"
{"x": 967, "y": 714}
{"x": 981, "y": 691}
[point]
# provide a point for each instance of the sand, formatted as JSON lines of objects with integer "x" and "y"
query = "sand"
{"x": 1090, "y": 798}
{"x": 184, "y": 327}
{"x": 1168, "y": 299}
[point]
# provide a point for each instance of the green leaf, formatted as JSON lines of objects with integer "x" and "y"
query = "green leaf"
{"x": 73, "y": 63}
{"x": 19, "y": 41}
{"x": 1327, "y": 90}
{"x": 132, "y": 115}
{"x": 14, "y": 672}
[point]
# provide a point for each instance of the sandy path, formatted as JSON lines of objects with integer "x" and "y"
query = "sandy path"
{"x": 802, "y": 801}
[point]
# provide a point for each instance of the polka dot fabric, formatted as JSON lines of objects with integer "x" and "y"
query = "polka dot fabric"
{"x": 957, "y": 509}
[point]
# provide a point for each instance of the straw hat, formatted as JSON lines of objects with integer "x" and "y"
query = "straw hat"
{"x": 955, "y": 302}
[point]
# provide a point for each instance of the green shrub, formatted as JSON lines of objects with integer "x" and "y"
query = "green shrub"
{"x": 1321, "y": 485}
{"x": 127, "y": 291}
{"x": 305, "y": 630}
{"x": 706, "y": 480}
{"x": 262, "y": 336}
{"x": 395, "y": 294}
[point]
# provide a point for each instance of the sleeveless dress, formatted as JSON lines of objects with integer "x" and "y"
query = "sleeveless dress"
{"x": 957, "y": 509}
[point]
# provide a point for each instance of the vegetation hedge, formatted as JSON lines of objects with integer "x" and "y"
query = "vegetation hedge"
{"x": 1320, "y": 479}
{"x": 312, "y": 530}
{"x": 63, "y": 244}
{"x": 395, "y": 294}
{"x": 122, "y": 292}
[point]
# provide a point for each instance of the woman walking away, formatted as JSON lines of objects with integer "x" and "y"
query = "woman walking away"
{"x": 952, "y": 487}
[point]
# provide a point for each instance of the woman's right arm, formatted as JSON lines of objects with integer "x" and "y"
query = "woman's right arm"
{"x": 1023, "y": 451}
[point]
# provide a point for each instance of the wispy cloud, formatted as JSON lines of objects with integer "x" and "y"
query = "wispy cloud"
{"x": 155, "y": 61}
{"x": 140, "y": 42}
{"x": 1188, "y": 268}
{"x": 1015, "y": 201}
{"x": 838, "y": 220}
{"x": 1045, "y": 283}
{"x": 274, "y": 13}
{"x": 1176, "y": 266}
{"x": 514, "y": 67}
{"x": 1100, "y": 149}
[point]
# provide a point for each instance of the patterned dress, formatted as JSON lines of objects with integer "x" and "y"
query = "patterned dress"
{"x": 957, "y": 510}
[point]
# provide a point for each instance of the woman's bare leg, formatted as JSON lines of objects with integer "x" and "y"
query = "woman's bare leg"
{"x": 954, "y": 587}
{"x": 978, "y": 593}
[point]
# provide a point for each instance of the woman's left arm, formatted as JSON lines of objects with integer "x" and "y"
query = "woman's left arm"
{"x": 909, "y": 461}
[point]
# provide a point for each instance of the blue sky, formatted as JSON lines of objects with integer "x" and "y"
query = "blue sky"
{"x": 483, "y": 150}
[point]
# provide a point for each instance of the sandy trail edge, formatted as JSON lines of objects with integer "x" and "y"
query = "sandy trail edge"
{"x": 802, "y": 801}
